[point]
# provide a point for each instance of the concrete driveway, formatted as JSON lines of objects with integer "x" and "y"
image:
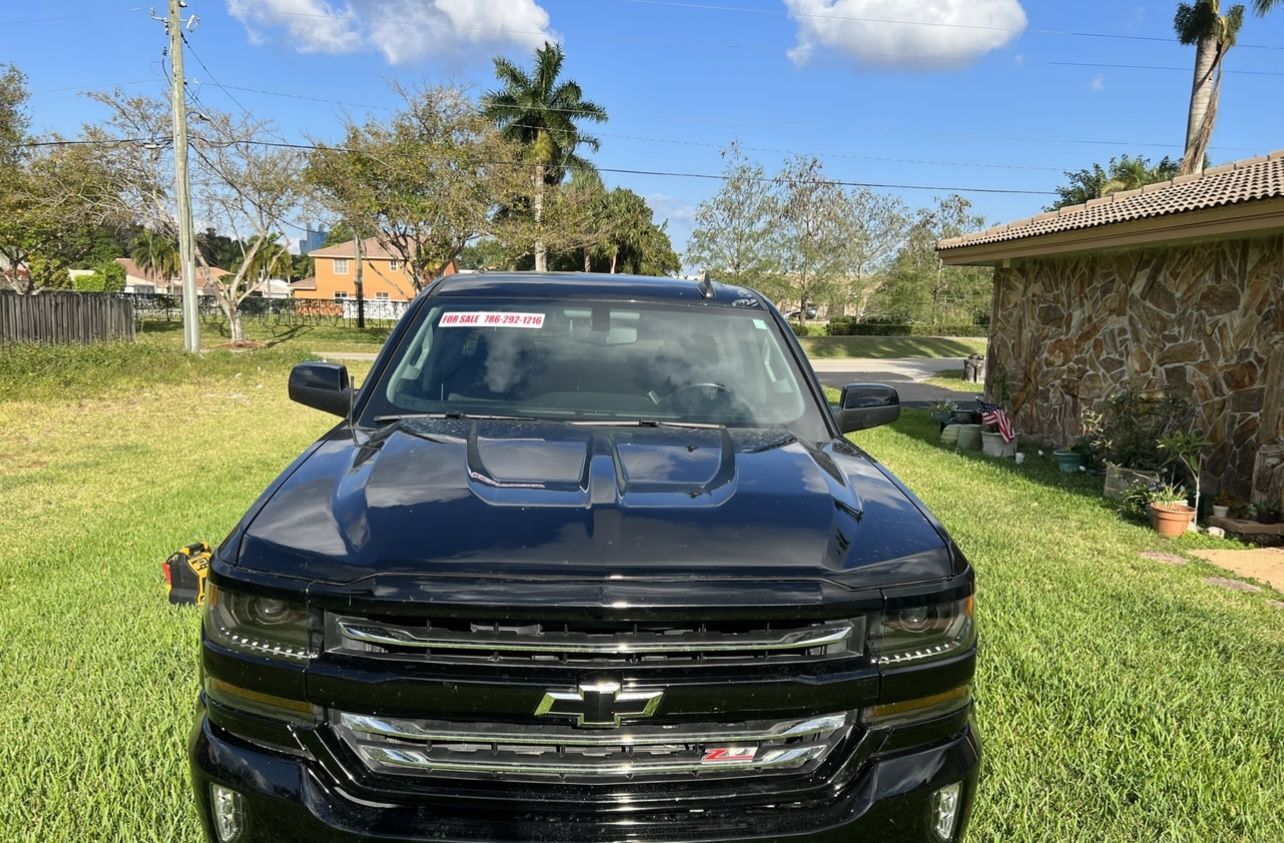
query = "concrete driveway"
{"x": 903, "y": 373}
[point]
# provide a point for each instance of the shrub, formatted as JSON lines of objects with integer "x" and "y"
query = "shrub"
{"x": 1134, "y": 424}
{"x": 108, "y": 277}
{"x": 843, "y": 327}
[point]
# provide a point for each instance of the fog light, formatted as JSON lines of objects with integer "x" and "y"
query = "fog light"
{"x": 229, "y": 817}
{"x": 945, "y": 811}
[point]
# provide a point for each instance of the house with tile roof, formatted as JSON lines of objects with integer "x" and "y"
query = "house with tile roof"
{"x": 384, "y": 277}
{"x": 1176, "y": 288}
{"x": 139, "y": 280}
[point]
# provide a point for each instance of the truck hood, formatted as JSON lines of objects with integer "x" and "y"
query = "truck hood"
{"x": 502, "y": 498}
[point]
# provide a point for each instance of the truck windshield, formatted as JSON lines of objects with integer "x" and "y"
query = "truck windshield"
{"x": 597, "y": 362}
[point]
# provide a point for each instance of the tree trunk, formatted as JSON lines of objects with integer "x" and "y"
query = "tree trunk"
{"x": 615, "y": 257}
{"x": 234, "y": 323}
{"x": 588, "y": 262}
{"x": 541, "y": 252}
{"x": 1201, "y": 100}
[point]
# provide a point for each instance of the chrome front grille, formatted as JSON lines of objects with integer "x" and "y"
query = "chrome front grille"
{"x": 592, "y": 644}
{"x": 414, "y": 747}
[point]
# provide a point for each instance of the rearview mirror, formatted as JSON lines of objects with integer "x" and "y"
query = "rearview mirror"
{"x": 866, "y": 405}
{"x": 322, "y": 386}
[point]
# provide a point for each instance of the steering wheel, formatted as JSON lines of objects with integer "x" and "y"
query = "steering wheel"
{"x": 705, "y": 399}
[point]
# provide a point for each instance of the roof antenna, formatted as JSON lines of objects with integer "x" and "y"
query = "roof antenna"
{"x": 706, "y": 285}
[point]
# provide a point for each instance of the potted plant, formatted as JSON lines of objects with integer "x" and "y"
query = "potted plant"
{"x": 1268, "y": 513}
{"x": 1070, "y": 460}
{"x": 1129, "y": 435}
{"x": 942, "y": 411}
{"x": 1170, "y": 515}
{"x": 1222, "y": 504}
{"x": 1187, "y": 449}
{"x": 1084, "y": 451}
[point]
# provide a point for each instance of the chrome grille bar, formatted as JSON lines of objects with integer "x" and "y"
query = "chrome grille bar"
{"x": 439, "y": 731}
{"x": 388, "y": 635}
{"x": 404, "y": 746}
{"x": 418, "y": 759}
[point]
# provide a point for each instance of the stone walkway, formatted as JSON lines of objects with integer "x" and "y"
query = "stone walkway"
{"x": 1264, "y": 564}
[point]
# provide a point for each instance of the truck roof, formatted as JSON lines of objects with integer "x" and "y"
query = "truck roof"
{"x": 589, "y": 285}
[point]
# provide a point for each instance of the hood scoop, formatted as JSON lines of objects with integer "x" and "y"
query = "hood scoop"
{"x": 556, "y": 465}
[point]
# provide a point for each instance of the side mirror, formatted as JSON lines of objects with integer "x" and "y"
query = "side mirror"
{"x": 322, "y": 386}
{"x": 866, "y": 405}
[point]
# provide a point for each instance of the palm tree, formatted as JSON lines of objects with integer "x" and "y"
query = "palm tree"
{"x": 1213, "y": 34}
{"x": 541, "y": 113}
{"x": 155, "y": 254}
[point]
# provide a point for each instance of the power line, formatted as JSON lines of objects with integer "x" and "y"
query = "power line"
{"x": 210, "y": 74}
{"x": 70, "y": 17}
{"x": 1155, "y": 67}
{"x": 617, "y": 170}
{"x": 685, "y": 4}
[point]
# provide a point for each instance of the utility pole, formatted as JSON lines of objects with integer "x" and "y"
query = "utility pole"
{"x": 361, "y": 298}
{"x": 186, "y": 249}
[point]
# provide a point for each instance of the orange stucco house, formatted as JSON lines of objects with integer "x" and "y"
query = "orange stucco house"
{"x": 383, "y": 275}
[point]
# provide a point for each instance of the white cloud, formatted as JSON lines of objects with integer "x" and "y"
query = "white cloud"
{"x": 894, "y": 33}
{"x": 403, "y": 30}
{"x": 1098, "y": 83}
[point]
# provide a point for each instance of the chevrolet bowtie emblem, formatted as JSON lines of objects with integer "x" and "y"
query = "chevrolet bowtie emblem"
{"x": 600, "y": 705}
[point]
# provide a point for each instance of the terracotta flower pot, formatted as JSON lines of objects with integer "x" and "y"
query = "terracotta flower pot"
{"x": 1171, "y": 519}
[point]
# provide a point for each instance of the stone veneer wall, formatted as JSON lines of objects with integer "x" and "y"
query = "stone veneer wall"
{"x": 1205, "y": 320}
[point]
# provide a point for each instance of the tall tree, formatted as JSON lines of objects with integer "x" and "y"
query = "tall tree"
{"x": 1213, "y": 34}
{"x": 543, "y": 114}
{"x": 923, "y": 288}
{"x": 732, "y": 234}
{"x": 879, "y": 226}
{"x": 1122, "y": 173}
{"x": 424, "y": 185}
{"x": 811, "y": 233}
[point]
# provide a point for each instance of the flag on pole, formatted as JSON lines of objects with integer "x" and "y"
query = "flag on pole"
{"x": 994, "y": 414}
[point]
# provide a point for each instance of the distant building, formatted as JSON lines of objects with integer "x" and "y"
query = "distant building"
{"x": 314, "y": 240}
{"x": 138, "y": 280}
{"x": 383, "y": 275}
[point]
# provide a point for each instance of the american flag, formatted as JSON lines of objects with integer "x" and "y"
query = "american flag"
{"x": 994, "y": 414}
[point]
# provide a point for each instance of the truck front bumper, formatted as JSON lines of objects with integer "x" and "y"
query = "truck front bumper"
{"x": 291, "y": 798}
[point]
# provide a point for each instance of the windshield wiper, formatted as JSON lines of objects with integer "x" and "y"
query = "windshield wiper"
{"x": 455, "y": 415}
{"x": 649, "y": 423}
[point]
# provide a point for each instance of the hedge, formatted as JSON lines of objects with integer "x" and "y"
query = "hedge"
{"x": 849, "y": 328}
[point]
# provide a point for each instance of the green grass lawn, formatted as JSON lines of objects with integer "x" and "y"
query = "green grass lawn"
{"x": 954, "y": 380}
{"x": 273, "y": 334}
{"x": 819, "y": 347}
{"x": 1120, "y": 699}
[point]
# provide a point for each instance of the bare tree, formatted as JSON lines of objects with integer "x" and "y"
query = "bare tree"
{"x": 249, "y": 188}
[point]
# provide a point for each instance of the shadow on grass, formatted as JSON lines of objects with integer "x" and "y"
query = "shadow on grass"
{"x": 918, "y": 424}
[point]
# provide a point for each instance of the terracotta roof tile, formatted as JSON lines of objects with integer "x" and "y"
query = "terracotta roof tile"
{"x": 371, "y": 248}
{"x": 1240, "y": 181}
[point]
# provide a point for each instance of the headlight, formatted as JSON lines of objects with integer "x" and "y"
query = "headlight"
{"x": 264, "y": 626}
{"x": 919, "y": 633}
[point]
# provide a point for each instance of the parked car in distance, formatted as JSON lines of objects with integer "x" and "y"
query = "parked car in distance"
{"x": 587, "y": 558}
{"x": 797, "y": 313}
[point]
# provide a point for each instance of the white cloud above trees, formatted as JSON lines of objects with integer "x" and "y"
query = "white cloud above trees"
{"x": 940, "y": 34}
{"x": 402, "y": 30}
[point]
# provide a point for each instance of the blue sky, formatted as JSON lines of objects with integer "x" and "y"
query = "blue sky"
{"x": 970, "y": 95}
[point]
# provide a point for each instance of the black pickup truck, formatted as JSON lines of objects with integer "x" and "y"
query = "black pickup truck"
{"x": 587, "y": 559}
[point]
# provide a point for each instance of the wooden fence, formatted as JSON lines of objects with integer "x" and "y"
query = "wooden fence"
{"x": 65, "y": 317}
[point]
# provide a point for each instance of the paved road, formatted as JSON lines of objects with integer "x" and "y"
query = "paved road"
{"x": 903, "y": 373}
